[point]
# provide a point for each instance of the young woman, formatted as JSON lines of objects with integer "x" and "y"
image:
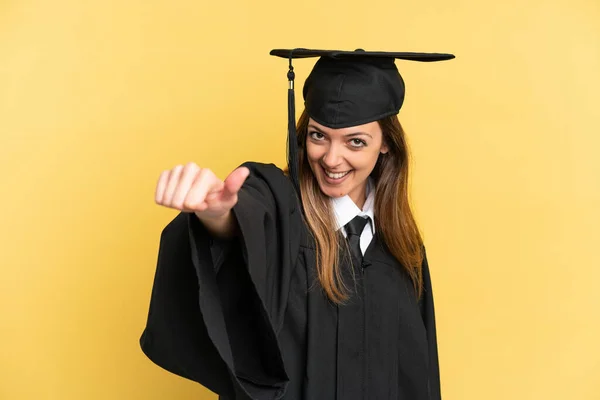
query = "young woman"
{"x": 308, "y": 286}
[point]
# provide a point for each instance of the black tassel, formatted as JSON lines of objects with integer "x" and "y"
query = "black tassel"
{"x": 292, "y": 156}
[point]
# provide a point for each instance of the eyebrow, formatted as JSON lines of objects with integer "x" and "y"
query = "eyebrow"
{"x": 349, "y": 135}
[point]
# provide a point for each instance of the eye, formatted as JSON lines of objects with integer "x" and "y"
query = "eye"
{"x": 357, "y": 143}
{"x": 316, "y": 135}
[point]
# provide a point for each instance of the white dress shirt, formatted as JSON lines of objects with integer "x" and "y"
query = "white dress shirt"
{"x": 345, "y": 210}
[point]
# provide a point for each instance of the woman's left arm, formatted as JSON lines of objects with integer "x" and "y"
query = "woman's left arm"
{"x": 428, "y": 314}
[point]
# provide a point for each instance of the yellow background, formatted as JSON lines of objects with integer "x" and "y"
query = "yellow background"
{"x": 97, "y": 97}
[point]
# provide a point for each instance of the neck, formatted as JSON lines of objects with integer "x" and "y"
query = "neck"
{"x": 359, "y": 195}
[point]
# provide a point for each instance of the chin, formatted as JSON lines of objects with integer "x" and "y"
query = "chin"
{"x": 332, "y": 191}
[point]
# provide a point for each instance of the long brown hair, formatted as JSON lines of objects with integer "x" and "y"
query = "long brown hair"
{"x": 398, "y": 230}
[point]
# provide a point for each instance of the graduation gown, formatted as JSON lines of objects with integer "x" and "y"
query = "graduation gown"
{"x": 248, "y": 320}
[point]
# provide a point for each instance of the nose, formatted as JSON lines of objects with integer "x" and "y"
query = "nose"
{"x": 333, "y": 157}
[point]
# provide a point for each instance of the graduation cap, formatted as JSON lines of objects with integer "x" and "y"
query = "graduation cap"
{"x": 347, "y": 88}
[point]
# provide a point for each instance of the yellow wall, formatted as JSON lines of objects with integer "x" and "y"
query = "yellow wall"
{"x": 97, "y": 97}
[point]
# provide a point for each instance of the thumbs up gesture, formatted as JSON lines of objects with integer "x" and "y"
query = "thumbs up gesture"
{"x": 191, "y": 188}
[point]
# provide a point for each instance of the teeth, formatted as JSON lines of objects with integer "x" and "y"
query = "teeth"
{"x": 336, "y": 176}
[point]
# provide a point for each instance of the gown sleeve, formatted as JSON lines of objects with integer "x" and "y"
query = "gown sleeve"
{"x": 216, "y": 308}
{"x": 428, "y": 314}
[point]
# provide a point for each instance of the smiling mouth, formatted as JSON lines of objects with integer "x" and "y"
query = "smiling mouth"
{"x": 336, "y": 175}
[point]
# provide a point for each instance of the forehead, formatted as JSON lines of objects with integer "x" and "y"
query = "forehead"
{"x": 370, "y": 128}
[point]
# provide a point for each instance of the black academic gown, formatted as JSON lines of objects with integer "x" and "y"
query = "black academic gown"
{"x": 248, "y": 320}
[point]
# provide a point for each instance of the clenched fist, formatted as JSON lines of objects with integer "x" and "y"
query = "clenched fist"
{"x": 190, "y": 188}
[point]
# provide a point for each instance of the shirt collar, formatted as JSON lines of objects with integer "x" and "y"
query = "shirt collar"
{"x": 345, "y": 209}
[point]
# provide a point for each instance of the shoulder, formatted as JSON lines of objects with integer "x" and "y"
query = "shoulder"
{"x": 268, "y": 180}
{"x": 265, "y": 171}
{"x": 268, "y": 189}
{"x": 268, "y": 176}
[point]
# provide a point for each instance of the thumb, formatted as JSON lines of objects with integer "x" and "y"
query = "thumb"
{"x": 234, "y": 181}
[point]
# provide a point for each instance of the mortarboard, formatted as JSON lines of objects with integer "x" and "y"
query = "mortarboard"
{"x": 347, "y": 88}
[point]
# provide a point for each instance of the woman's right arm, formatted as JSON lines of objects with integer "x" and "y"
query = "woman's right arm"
{"x": 213, "y": 319}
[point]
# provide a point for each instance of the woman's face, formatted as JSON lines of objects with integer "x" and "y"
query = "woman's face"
{"x": 342, "y": 159}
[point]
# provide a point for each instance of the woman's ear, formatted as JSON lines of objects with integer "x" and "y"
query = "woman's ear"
{"x": 384, "y": 148}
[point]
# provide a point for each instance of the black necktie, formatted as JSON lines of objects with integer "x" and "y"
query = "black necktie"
{"x": 354, "y": 229}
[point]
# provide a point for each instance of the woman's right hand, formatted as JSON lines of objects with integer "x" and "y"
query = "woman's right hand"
{"x": 190, "y": 188}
